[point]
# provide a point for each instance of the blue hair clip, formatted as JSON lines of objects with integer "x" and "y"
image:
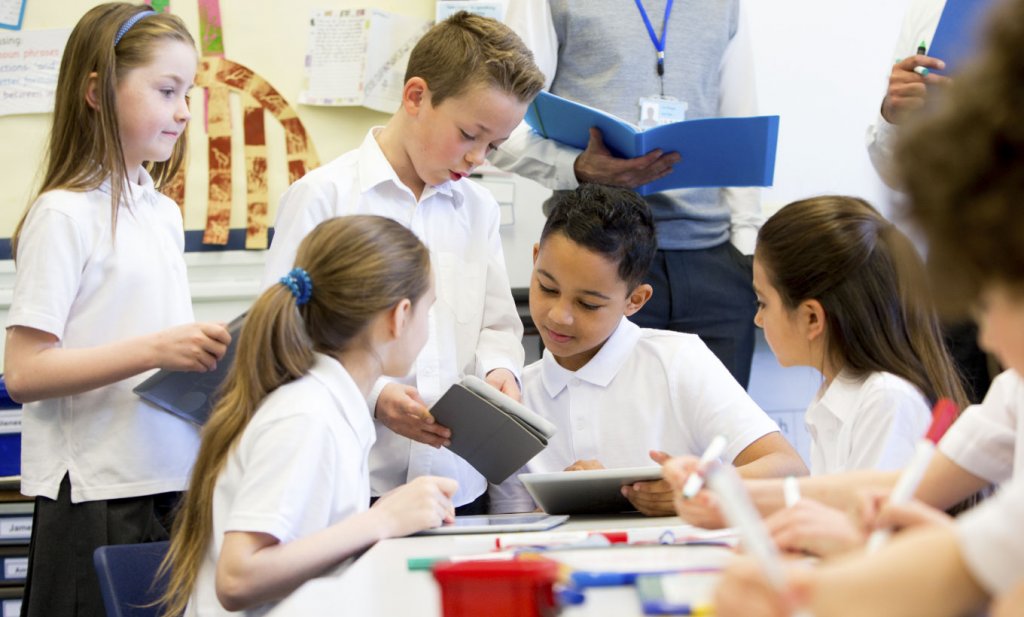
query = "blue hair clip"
{"x": 131, "y": 21}
{"x": 300, "y": 284}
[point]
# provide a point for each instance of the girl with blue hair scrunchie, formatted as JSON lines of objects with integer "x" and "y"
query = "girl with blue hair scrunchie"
{"x": 293, "y": 426}
{"x": 300, "y": 284}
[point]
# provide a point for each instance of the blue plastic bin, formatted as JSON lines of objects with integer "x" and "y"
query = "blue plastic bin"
{"x": 10, "y": 442}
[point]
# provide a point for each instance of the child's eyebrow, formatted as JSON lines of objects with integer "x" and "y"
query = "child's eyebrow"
{"x": 585, "y": 292}
{"x": 178, "y": 79}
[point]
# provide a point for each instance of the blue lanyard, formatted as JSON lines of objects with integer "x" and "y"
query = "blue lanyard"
{"x": 659, "y": 44}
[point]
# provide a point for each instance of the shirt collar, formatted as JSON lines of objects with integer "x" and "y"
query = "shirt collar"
{"x": 144, "y": 190}
{"x": 375, "y": 169}
{"x": 601, "y": 369}
{"x": 330, "y": 372}
{"x": 840, "y": 398}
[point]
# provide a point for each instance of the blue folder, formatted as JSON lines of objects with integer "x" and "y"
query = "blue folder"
{"x": 959, "y": 31}
{"x": 715, "y": 152}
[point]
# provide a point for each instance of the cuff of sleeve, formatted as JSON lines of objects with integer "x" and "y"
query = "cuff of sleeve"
{"x": 565, "y": 168}
{"x": 371, "y": 400}
{"x": 515, "y": 373}
{"x": 487, "y": 367}
{"x": 744, "y": 239}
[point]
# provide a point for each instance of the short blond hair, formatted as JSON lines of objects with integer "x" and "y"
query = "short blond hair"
{"x": 466, "y": 50}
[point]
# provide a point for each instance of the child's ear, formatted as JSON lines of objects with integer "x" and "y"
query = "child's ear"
{"x": 415, "y": 95}
{"x": 813, "y": 317}
{"x": 399, "y": 317}
{"x": 536, "y": 251}
{"x": 638, "y": 298}
{"x": 91, "y": 98}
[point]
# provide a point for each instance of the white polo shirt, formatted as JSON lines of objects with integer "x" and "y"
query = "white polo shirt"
{"x": 644, "y": 390}
{"x": 75, "y": 282}
{"x": 988, "y": 439}
{"x": 474, "y": 326}
{"x": 873, "y": 422}
{"x": 299, "y": 467}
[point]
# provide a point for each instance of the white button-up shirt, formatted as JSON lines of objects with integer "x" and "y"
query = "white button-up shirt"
{"x": 474, "y": 326}
{"x": 873, "y": 422}
{"x": 645, "y": 389}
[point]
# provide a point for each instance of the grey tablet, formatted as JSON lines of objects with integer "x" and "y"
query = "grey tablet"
{"x": 497, "y": 523}
{"x": 189, "y": 395}
{"x": 591, "y": 491}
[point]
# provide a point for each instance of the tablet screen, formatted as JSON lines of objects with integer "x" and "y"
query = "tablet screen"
{"x": 498, "y": 523}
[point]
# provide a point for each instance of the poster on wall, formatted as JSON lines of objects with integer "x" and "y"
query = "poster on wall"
{"x": 12, "y": 12}
{"x": 446, "y": 8}
{"x": 358, "y": 57}
{"x": 29, "y": 63}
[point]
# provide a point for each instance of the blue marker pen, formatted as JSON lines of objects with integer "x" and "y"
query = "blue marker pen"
{"x": 581, "y": 579}
{"x": 662, "y": 607}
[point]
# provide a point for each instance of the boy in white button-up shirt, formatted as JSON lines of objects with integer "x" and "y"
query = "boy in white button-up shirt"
{"x": 468, "y": 83}
{"x": 621, "y": 395}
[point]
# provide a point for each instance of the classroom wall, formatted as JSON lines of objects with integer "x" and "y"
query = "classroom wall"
{"x": 821, "y": 66}
{"x": 268, "y": 37}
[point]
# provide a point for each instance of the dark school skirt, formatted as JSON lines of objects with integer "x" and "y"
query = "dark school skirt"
{"x": 61, "y": 580}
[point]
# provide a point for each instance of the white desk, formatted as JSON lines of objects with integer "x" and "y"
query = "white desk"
{"x": 379, "y": 583}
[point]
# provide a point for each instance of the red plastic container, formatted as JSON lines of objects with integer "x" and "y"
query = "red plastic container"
{"x": 516, "y": 588}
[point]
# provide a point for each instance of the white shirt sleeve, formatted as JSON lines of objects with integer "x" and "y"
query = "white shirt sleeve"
{"x": 983, "y": 439}
{"x": 526, "y": 153}
{"x": 288, "y": 462}
{"x": 302, "y": 207}
{"x": 501, "y": 332}
{"x": 738, "y": 92}
{"x": 990, "y": 539}
{"x": 711, "y": 402}
{"x": 52, "y": 252}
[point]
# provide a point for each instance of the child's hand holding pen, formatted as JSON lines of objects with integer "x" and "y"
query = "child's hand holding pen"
{"x": 697, "y": 507}
{"x": 908, "y": 85}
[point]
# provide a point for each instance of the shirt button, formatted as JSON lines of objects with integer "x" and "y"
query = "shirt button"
{"x": 574, "y": 382}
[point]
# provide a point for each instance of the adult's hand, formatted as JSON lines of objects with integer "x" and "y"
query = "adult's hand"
{"x": 908, "y": 90}
{"x": 597, "y": 164}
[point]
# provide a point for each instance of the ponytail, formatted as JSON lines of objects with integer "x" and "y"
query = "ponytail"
{"x": 356, "y": 267}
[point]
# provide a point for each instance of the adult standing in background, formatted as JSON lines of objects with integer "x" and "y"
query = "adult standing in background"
{"x": 907, "y": 92}
{"x": 686, "y": 56}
